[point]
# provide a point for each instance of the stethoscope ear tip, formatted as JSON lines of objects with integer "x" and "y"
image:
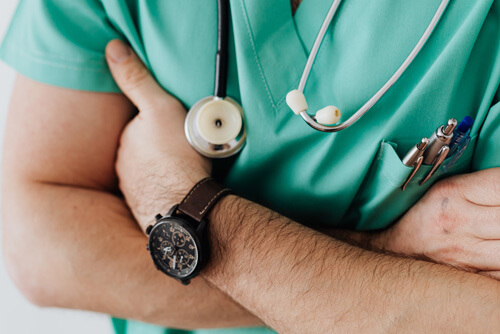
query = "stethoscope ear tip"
{"x": 329, "y": 115}
{"x": 297, "y": 102}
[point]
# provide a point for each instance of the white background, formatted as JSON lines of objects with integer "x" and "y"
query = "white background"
{"x": 17, "y": 316}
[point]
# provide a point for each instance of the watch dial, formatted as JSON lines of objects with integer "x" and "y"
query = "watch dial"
{"x": 173, "y": 248}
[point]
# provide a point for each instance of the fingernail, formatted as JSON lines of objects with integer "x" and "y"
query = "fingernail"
{"x": 118, "y": 52}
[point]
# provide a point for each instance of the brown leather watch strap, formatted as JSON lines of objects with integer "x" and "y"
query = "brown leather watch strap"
{"x": 201, "y": 199}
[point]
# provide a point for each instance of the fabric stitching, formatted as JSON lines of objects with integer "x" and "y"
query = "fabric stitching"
{"x": 249, "y": 31}
{"x": 202, "y": 212}
{"x": 58, "y": 65}
{"x": 32, "y": 53}
{"x": 192, "y": 190}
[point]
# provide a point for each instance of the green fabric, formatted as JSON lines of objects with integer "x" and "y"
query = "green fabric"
{"x": 349, "y": 179}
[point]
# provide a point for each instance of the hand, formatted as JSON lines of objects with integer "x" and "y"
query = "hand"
{"x": 156, "y": 165}
{"x": 457, "y": 222}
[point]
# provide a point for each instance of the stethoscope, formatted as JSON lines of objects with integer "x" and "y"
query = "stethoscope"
{"x": 215, "y": 125}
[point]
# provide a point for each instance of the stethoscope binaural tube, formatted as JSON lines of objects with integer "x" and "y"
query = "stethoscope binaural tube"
{"x": 215, "y": 126}
{"x": 222, "y": 57}
{"x": 325, "y": 118}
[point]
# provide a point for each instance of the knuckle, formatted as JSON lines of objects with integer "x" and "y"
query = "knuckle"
{"x": 134, "y": 76}
{"x": 495, "y": 184}
{"x": 156, "y": 102}
{"x": 444, "y": 188}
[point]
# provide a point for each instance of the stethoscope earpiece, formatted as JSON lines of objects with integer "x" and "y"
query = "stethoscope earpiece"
{"x": 326, "y": 118}
{"x": 297, "y": 102}
{"x": 215, "y": 127}
{"x": 329, "y": 115}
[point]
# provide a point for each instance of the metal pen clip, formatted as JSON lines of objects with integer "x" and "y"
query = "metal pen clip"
{"x": 441, "y": 137}
{"x": 414, "y": 158}
{"x": 443, "y": 153}
{"x": 438, "y": 148}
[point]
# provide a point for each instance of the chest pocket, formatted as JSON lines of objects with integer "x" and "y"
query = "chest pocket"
{"x": 380, "y": 200}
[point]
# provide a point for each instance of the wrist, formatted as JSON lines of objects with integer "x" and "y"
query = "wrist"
{"x": 178, "y": 240}
{"x": 223, "y": 232}
{"x": 159, "y": 197}
{"x": 394, "y": 241}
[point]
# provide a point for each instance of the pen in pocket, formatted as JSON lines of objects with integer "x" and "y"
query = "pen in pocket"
{"x": 438, "y": 148}
{"x": 448, "y": 140}
{"x": 460, "y": 141}
{"x": 414, "y": 158}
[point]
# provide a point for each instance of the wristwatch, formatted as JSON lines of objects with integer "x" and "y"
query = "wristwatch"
{"x": 178, "y": 241}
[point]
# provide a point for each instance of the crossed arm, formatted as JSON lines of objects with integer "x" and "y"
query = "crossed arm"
{"x": 300, "y": 280}
{"x": 69, "y": 240}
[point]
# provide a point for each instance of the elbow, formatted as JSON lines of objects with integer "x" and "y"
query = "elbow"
{"x": 24, "y": 273}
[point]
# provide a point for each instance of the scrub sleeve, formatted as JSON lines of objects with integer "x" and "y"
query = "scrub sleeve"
{"x": 350, "y": 179}
{"x": 61, "y": 43}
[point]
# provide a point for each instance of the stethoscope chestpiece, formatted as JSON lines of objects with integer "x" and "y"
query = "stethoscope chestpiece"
{"x": 215, "y": 127}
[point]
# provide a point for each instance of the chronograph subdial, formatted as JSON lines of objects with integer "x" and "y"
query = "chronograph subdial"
{"x": 183, "y": 257}
{"x": 179, "y": 238}
{"x": 167, "y": 248}
{"x": 181, "y": 260}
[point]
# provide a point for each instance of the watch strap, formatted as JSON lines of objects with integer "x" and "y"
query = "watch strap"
{"x": 202, "y": 198}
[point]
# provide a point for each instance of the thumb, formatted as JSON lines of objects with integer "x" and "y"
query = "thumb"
{"x": 133, "y": 77}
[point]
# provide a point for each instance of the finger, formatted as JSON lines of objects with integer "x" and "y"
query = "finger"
{"x": 134, "y": 79}
{"x": 483, "y": 222}
{"x": 481, "y": 187}
{"x": 491, "y": 274}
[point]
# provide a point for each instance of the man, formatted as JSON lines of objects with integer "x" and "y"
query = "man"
{"x": 276, "y": 271}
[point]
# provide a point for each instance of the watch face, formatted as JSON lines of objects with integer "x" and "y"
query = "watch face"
{"x": 173, "y": 248}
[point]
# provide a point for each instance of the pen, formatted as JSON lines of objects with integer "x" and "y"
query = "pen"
{"x": 461, "y": 132}
{"x": 441, "y": 137}
{"x": 460, "y": 141}
{"x": 438, "y": 147}
{"x": 443, "y": 153}
{"x": 414, "y": 158}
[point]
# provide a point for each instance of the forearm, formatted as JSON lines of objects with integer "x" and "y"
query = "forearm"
{"x": 78, "y": 248}
{"x": 298, "y": 280}
{"x": 362, "y": 239}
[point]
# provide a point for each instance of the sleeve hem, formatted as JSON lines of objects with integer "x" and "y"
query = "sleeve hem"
{"x": 59, "y": 72}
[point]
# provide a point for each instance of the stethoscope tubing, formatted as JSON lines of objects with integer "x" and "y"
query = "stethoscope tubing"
{"x": 201, "y": 135}
{"x": 317, "y": 43}
{"x": 395, "y": 77}
{"x": 221, "y": 60}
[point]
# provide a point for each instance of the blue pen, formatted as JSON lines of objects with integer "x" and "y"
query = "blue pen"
{"x": 461, "y": 138}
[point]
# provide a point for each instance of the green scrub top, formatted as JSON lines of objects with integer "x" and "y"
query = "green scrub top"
{"x": 349, "y": 179}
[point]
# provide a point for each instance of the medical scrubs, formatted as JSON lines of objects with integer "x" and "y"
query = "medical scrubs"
{"x": 349, "y": 179}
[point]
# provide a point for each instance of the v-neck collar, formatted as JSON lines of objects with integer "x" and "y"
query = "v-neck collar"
{"x": 308, "y": 19}
{"x": 281, "y": 41}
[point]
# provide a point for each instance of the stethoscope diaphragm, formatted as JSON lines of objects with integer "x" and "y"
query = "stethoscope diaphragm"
{"x": 215, "y": 127}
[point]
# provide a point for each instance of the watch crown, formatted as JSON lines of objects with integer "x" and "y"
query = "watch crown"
{"x": 158, "y": 217}
{"x": 147, "y": 247}
{"x": 148, "y": 229}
